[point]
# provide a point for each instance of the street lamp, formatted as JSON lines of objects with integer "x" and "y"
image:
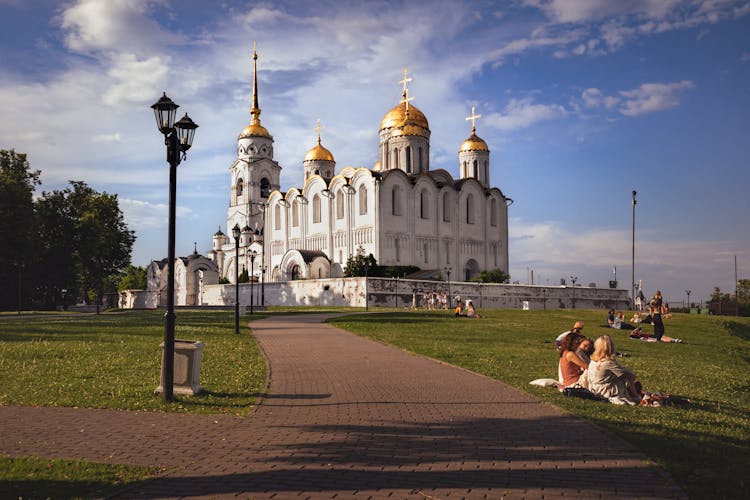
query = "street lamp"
{"x": 573, "y": 280}
{"x": 263, "y": 285}
{"x": 367, "y": 298}
{"x": 178, "y": 137}
{"x": 236, "y": 232}
{"x": 632, "y": 264}
{"x": 688, "y": 292}
{"x": 253, "y": 254}
{"x": 448, "y": 272}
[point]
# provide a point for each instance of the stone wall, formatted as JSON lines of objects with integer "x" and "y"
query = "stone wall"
{"x": 402, "y": 293}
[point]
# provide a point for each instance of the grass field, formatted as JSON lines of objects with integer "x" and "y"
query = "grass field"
{"x": 113, "y": 361}
{"x": 704, "y": 444}
{"x": 65, "y": 478}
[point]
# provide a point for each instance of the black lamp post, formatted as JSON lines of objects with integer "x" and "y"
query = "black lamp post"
{"x": 253, "y": 254}
{"x": 178, "y": 137}
{"x": 688, "y": 292}
{"x": 448, "y": 273}
{"x": 263, "y": 285}
{"x": 632, "y": 263}
{"x": 236, "y": 232}
{"x": 573, "y": 280}
{"x": 367, "y": 270}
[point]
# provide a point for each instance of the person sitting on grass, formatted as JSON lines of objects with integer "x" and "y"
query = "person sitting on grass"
{"x": 585, "y": 350}
{"x": 470, "y": 311}
{"x": 577, "y": 327}
{"x": 611, "y": 318}
{"x": 571, "y": 366}
{"x": 621, "y": 325}
{"x": 459, "y": 309}
{"x": 607, "y": 379}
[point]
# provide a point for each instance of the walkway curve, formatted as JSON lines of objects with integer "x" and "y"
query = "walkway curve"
{"x": 347, "y": 417}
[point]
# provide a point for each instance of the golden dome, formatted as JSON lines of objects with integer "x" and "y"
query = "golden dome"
{"x": 397, "y": 115}
{"x": 319, "y": 153}
{"x": 473, "y": 143}
{"x": 254, "y": 130}
{"x": 377, "y": 166}
{"x": 409, "y": 128}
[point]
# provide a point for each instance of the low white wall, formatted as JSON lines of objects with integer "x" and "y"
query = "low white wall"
{"x": 400, "y": 293}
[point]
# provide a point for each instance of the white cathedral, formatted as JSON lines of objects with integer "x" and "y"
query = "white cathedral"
{"x": 401, "y": 211}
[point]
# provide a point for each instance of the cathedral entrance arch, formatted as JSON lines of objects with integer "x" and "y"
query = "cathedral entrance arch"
{"x": 304, "y": 264}
{"x": 471, "y": 269}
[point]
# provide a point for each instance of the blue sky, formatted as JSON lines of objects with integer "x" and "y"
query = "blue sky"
{"x": 582, "y": 101}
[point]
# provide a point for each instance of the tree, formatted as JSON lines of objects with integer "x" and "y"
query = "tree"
{"x": 492, "y": 276}
{"x": 17, "y": 184}
{"x": 717, "y": 296}
{"x": 86, "y": 242}
{"x": 133, "y": 278}
{"x": 361, "y": 265}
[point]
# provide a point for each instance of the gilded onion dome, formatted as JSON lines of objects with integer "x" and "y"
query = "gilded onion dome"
{"x": 409, "y": 128}
{"x": 473, "y": 143}
{"x": 398, "y": 114}
{"x": 319, "y": 153}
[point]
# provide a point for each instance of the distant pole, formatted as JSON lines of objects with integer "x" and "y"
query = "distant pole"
{"x": 687, "y": 292}
{"x": 367, "y": 299}
{"x": 736, "y": 290}
{"x": 632, "y": 266}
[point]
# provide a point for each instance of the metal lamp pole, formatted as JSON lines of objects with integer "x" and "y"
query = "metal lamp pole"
{"x": 253, "y": 254}
{"x": 632, "y": 263}
{"x": 236, "y": 232}
{"x": 448, "y": 272}
{"x": 178, "y": 137}
{"x": 688, "y": 292}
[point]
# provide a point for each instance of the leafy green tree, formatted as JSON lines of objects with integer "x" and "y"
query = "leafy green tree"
{"x": 492, "y": 276}
{"x": 133, "y": 278}
{"x": 361, "y": 264}
{"x": 85, "y": 235}
{"x": 717, "y": 296}
{"x": 244, "y": 276}
{"x": 17, "y": 184}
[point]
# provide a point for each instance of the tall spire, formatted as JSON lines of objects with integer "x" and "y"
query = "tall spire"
{"x": 255, "y": 110}
{"x": 318, "y": 128}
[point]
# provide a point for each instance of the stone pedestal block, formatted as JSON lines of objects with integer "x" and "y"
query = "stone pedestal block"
{"x": 187, "y": 367}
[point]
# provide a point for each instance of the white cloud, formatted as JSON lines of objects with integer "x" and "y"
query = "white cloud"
{"x": 107, "y": 137}
{"x": 651, "y": 97}
{"x": 522, "y": 113}
{"x": 113, "y": 25}
{"x": 135, "y": 81}
{"x": 554, "y": 252}
{"x": 142, "y": 215}
{"x": 745, "y": 57}
{"x": 593, "y": 98}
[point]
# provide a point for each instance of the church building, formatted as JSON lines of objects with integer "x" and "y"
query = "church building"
{"x": 400, "y": 210}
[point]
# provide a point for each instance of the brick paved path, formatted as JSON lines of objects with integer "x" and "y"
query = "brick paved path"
{"x": 350, "y": 418}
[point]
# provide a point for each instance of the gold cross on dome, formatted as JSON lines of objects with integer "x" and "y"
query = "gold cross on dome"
{"x": 255, "y": 53}
{"x": 473, "y": 118}
{"x": 405, "y": 81}
{"x": 317, "y": 128}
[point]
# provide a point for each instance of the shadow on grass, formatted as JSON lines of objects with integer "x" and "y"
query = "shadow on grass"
{"x": 56, "y": 488}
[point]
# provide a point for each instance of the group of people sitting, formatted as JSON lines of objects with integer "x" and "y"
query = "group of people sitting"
{"x": 656, "y": 313}
{"x": 592, "y": 366}
{"x": 465, "y": 309}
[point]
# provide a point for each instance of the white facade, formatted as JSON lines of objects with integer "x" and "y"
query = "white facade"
{"x": 400, "y": 210}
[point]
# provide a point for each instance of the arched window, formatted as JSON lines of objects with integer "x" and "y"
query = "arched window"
{"x": 362, "y": 200}
{"x": 395, "y": 158}
{"x": 295, "y": 213}
{"x": 493, "y": 212}
{"x": 265, "y": 188}
{"x": 340, "y": 204}
{"x": 446, "y": 208}
{"x": 240, "y": 187}
{"x": 470, "y": 209}
{"x": 474, "y": 170}
{"x": 277, "y": 217}
{"x": 396, "y": 201}
{"x": 316, "y": 208}
{"x": 423, "y": 207}
{"x": 408, "y": 159}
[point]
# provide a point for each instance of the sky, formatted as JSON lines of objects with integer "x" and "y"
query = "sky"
{"x": 582, "y": 102}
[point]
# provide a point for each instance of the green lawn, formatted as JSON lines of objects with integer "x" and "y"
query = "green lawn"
{"x": 704, "y": 444}
{"x": 113, "y": 361}
{"x": 24, "y": 478}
